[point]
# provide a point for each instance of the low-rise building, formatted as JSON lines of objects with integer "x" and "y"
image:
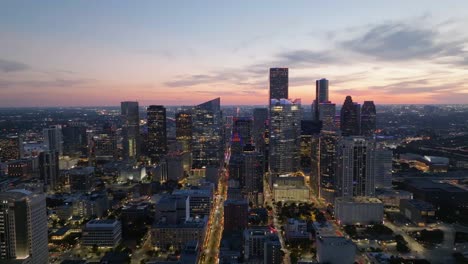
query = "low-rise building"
{"x": 390, "y": 197}
{"x": 102, "y": 233}
{"x": 335, "y": 250}
{"x": 417, "y": 211}
{"x": 291, "y": 193}
{"x": 358, "y": 210}
{"x": 177, "y": 235}
{"x": 296, "y": 229}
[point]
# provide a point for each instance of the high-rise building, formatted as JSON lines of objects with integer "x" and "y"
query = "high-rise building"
{"x": 350, "y": 120}
{"x": 321, "y": 96}
{"x": 11, "y": 148}
{"x": 328, "y": 141}
{"x": 157, "y": 133}
{"x": 327, "y": 112}
{"x": 272, "y": 250}
{"x": 23, "y": 227}
{"x": 251, "y": 181}
{"x": 355, "y": 174}
{"x": 284, "y": 136}
{"x": 130, "y": 130}
{"x": 279, "y": 83}
{"x": 243, "y": 127}
{"x": 53, "y": 139}
{"x": 236, "y": 215}
{"x": 260, "y": 117}
{"x": 207, "y": 138}
{"x": 49, "y": 169}
{"x": 184, "y": 130}
{"x": 103, "y": 146}
{"x": 383, "y": 168}
{"x": 368, "y": 118}
{"x": 75, "y": 140}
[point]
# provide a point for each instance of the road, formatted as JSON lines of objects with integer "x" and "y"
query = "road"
{"x": 276, "y": 224}
{"x": 215, "y": 226}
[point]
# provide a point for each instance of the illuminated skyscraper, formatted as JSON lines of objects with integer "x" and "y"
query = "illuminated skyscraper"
{"x": 368, "y": 118}
{"x": 328, "y": 141}
{"x": 279, "y": 83}
{"x": 11, "y": 148}
{"x": 327, "y": 112}
{"x": 207, "y": 138}
{"x": 130, "y": 130}
{"x": 23, "y": 228}
{"x": 157, "y": 134}
{"x": 284, "y": 137}
{"x": 350, "y": 121}
{"x": 355, "y": 174}
{"x": 321, "y": 96}
{"x": 184, "y": 130}
{"x": 53, "y": 140}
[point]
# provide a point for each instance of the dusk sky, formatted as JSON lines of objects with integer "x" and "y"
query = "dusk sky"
{"x": 89, "y": 53}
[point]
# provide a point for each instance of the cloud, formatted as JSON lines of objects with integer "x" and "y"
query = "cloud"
{"x": 400, "y": 41}
{"x": 12, "y": 66}
{"x": 54, "y": 83}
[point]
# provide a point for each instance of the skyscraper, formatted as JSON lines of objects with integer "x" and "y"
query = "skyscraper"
{"x": 260, "y": 116}
{"x": 75, "y": 140}
{"x": 284, "y": 137}
{"x": 130, "y": 130}
{"x": 11, "y": 148}
{"x": 49, "y": 169}
{"x": 243, "y": 127}
{"x": 368, "y": 118}
{"x": 53, "y": 140}
{"x": 355, "y": 174}
{"x": 207, "y": 138}
{"x": 321, "y": 96}
{"x": 383, "y": 168}
{"x": 24, "y": 227}
{"x": 157, "y": 134}
{"x": 184, "y": 130}
{"x": 350, "y": 120}
{"x": 328, "y": 141}
{"x": 251, "y": 181}
{"x": 279, "y": 83}
{"x": 327, "y": 112}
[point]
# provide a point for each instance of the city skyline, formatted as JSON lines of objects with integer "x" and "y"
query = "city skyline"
{"x": 99, "y": 54}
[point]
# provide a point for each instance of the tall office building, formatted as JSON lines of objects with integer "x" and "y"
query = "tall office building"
{"x": 251, "y": 181}
{"x": 327, "y": 112}
{"x": 11, "y": 148}
{"x": 279, "y": 83}
{"x": 130, "y": 130}
{"x": 328, "y": 141}
{"x": 260, "y": 117}
{"x": 284, "y": 136}
{"x": 383, "y": 168}
{"x": 157, "y": 133}
{"x": 243, "y": 127}
{"x": 368, "y": 118}
{"x": 103, "y": 144}
{"x": 350, "y": 120}
{"x": 355, "y": 173}
{"x": 184, "y": 130}
{"x": 53, "y": 139}
{"x": 207, "y": 138}
{"x": 75, "y": 140}
{"x": 321, "y": 96}
{"x": 23, "y": 228}
{"x": 49, "y": 169}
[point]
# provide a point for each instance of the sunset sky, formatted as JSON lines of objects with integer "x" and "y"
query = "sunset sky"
{"x": 89, "y": 53}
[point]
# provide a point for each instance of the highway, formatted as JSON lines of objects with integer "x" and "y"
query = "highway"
{"x": 215, "y": 226}
{"x": 276, "y": 224}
